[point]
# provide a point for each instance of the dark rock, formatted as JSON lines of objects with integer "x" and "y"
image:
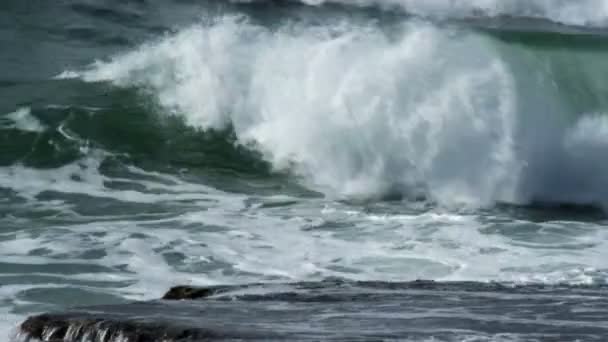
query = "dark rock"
{"x": 186, "y": 292}
{"x": 81, "y": 326}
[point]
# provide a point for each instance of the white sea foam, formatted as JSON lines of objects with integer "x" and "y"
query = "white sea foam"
{"x": 22, "y": 119}
{"x": 227, "y": 242}
{"x": 83, "y": 178}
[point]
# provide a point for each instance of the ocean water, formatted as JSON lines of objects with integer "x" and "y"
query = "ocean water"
{"x": 147, "y": 143}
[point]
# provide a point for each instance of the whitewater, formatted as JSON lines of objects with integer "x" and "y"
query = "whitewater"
{"x": 153, "y": 144}
{"x": 357, "y": 113}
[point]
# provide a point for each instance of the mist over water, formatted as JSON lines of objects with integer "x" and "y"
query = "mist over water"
{"x": 269, "y": 141}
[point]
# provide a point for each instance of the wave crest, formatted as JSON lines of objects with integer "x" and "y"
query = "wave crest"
{"x": 420, "y": 111}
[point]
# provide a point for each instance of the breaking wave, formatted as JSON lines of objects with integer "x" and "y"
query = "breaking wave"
{"x": 357, "y": 109}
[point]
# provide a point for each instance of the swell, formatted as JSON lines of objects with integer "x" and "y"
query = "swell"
{"x": 512, "y": 26}
{"x": 139, "y": 14}
{"x": 52, "y": 136}
{"x": 589, "y": 13}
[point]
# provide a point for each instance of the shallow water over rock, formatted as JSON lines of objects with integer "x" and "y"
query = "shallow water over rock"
{"x": 342, "y": 311}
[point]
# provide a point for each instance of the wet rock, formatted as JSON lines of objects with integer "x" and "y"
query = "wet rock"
{"x": 187, "y": 292}
{"x": 86, "y": 327}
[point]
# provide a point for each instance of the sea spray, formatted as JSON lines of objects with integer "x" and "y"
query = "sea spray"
{"x": 354, "y": 111}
